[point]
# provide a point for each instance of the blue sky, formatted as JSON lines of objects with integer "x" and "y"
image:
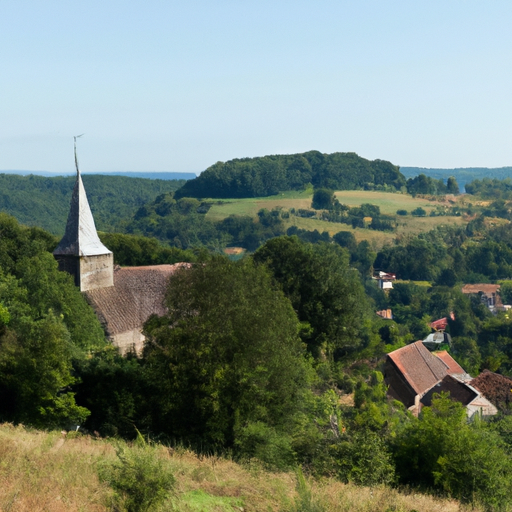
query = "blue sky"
{"x": 177, "y": 86}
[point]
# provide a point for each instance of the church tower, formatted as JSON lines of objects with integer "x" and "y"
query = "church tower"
{"x": 81, "y": 252}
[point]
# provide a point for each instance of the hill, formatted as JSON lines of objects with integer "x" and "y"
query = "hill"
{"x": 129, "y": 174}
{"x": 269, "y": 175}
{"x": 463, "y": 175}
{"x": 49, "y": 471}
{"x": 44, "y": 201}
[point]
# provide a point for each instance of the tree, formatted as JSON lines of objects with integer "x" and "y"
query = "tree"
{"x": 326, "y": 293}
{"x": 323, "y": 199}
{"x": 346, "y": 239}
{"x": 466, "y": 461}
{"x": 226, "y": 355}
{"x": 452, "y": 187}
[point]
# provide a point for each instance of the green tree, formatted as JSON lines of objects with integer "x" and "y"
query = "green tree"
{"x": 323, "y": 199}
{"x": 452, "y": 187}
{"x": 326, "y": 293}
{"x": 442, "y": 451}
{"x": 232, "y": 357}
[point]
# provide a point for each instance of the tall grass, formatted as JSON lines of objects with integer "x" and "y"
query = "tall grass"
{"x": 51, "y": 472}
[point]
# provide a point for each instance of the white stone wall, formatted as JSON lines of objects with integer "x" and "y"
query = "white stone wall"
{"x": 96, "y": 272}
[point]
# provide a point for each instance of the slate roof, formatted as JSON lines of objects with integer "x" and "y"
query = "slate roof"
{"x": 419, "y": 366}
{"x": 138, "y": 292}
{"x": 80, "y": 238}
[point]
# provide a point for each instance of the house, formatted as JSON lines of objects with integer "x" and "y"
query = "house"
{"x": 123, "y": 298}
{"x": 489, "y": 294}
{"x": 414, "y": 374}
{"x": 385, "y": 280}
{"x": 439, "y": 337}
{"x": 387, "y": 314}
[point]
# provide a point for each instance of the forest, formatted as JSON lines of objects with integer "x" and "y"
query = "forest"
{"x": 276, "y": 357}
{"x": 269, "y": 175}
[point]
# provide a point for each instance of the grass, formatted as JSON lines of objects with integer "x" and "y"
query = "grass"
{"x": 388, "y": 203}
{"x": 42, "y": 471}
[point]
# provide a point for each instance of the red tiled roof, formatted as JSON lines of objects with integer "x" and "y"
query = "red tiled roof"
{"x": 452, "y": 365}
{"x": 419, "y": 366}
{"x": 138, "y": 292}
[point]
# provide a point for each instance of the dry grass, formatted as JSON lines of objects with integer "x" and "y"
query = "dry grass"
{"x": 49, "y": 472}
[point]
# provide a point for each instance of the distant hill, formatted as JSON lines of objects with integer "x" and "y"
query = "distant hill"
{"x": 272, "y": 174}
{"x": 157, "y": 175}
{"x": 463, "y": 175}
{"x": 44, "y": 201}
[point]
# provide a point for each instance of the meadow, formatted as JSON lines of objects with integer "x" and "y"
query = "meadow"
{"x": 388, "y": 202}
{"x": 51, "y": 471}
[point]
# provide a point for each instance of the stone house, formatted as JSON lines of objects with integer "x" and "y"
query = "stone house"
{"x": 414, "y": 374}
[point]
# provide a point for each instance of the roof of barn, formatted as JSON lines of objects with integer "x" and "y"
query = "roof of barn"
{"x": 419, "y": 366}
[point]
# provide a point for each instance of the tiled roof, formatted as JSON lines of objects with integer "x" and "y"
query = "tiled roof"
{"x": 138, "y": 292}
{"x": 419, "y": 366}
{"x": 477, "y": 288}
{"x": 452, "y": 365}
{"x": 496, "y": 388}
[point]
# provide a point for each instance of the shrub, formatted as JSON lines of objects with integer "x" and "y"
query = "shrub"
{"x": 419, "y": 212}
{"x": 401, "y": 212}
{"x": 141, "y": 480}
{"x": 264, "y": 443}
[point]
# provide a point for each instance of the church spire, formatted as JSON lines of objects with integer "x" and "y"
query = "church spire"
{"x": 81, "y": 239}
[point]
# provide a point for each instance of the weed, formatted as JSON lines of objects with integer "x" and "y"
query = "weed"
{"x": 140, "y": 478}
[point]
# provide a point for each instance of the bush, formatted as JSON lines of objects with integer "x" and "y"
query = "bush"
{"x": 264, "y": 443}
{"x": 141, "y": 480}
{"x": 419, "y": 212}
{"x": 401, "y": 212}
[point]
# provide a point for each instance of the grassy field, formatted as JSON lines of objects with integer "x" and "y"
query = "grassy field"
{"x": 48, "y": 471}
{"x": 388, "y": 203}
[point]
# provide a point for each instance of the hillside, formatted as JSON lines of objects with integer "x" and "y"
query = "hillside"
{"x": 463, "y": 175}
{"x": 44, "y": 201}
{"x": 269, "y": 175}
{"x": 47, "y": 471}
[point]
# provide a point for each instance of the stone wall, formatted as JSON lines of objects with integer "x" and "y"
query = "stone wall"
{"x": 96, "y": 272}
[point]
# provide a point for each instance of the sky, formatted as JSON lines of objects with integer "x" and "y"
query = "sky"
{"x": 165, "y": 85}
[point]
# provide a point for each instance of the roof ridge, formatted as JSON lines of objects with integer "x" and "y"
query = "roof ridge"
{"x": 432, "y": 359}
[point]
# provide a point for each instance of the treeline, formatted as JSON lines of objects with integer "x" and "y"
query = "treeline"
{"x": 488, "y": 188}
{"x": 423, "y": 184}
{"x": 41, "y": 201}
{"x": 269, "y": 175}
{"x": 182, "y": 223}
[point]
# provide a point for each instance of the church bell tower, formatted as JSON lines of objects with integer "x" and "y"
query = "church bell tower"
{"x": 81, "y": 252}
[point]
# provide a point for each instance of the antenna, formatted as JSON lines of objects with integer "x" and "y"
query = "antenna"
{"x": 76, "y": 158}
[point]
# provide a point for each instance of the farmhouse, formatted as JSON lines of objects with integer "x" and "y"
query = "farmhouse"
{"x": 414, "y": 374}
{"x": 489, "y": 294}
{"x": 123, "y": 298}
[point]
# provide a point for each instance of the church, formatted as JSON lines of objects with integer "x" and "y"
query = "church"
{"x": 123, "y": 298}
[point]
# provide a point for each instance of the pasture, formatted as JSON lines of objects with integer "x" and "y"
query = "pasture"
{"x": 388, "y": 203}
